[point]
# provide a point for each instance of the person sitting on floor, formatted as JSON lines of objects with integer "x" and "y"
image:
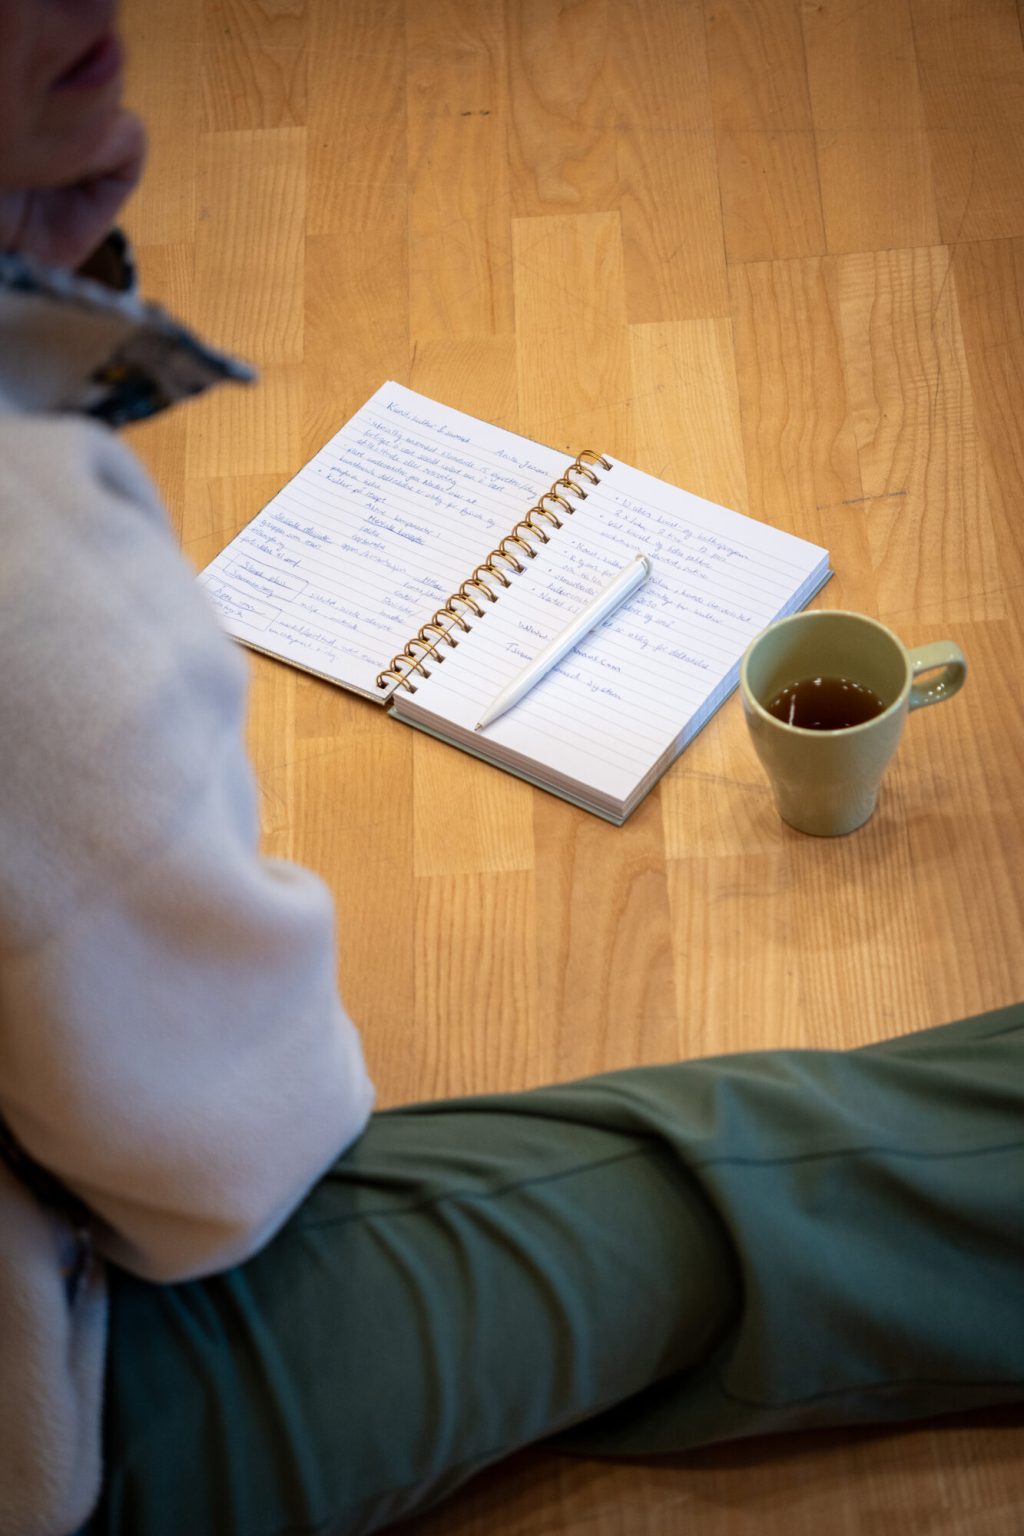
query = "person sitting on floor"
{"x": 234, "y": 1301}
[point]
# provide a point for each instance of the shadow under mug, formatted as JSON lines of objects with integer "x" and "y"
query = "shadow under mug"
{"x": 826, "y": 782}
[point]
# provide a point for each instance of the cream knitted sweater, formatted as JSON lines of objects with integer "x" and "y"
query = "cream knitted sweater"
{"x": 172, "y": 1044}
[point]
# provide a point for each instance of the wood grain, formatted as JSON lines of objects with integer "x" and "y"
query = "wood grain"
{"x": 459, "y": 237}
{"x": 165, "y": 209}
{"x": 989, "y": 280}
{"x": 873, "y": 152}
{"x": 925, "y": 504}
{"x": 562, "y": 143}
{"x": 767, "y": 153}
{"x": 254, "y": 64}
{"x": 972, "y": 85}
{"x": 772, "y": 250}
{"x": 800, "y": 447}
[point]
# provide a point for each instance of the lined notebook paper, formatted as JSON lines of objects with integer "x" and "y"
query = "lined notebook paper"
{"x": 423, "y": 557}
{"x": 374, "y": 533}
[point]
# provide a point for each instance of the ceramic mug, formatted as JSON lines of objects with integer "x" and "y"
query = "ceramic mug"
{"x": 826, "y": 781}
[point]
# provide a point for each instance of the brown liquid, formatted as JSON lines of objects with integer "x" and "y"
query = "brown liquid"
{"x": 825, "y": 704}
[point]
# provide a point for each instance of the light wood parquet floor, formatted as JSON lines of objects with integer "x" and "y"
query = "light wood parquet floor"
{"x": 773, "y": 251}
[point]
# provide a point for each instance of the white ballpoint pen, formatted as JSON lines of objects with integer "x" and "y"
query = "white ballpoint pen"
{"x": 607, "y": 600}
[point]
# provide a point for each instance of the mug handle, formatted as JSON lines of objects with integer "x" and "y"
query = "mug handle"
{"x": 927, "y": 658}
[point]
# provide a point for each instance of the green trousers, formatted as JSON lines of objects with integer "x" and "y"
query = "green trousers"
{"x": 635, "y": 1264}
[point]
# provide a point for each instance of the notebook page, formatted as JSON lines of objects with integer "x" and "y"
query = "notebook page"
{"x": 619, "y": 701}
{"x": 371, "y": 537}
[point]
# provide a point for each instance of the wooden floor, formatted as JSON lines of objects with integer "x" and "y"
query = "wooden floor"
{"x": 774, "y": 252}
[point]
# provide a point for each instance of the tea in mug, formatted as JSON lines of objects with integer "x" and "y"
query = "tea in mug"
{"x": 825, "y": 704}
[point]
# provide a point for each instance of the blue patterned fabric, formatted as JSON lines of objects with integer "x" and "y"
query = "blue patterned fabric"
{"x": 153, "y": 361}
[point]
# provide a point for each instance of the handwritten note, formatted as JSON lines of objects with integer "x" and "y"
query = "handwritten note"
{"x": 371, "y": 537}
{"x": 642, "y": 684}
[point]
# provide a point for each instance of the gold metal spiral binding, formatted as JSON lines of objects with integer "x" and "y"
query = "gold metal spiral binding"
{"x": 450, "y": 611}
{"x": 490, "y": 569}
{"x": 583, "y": 463}
{"x": 480, "y": 586}
{"x": 410, "y": 662}
{"x": 503, "y": 554}
{"x": 540, "y": 512}
{"x": 545, "y": 538}
{"x": 570, "y": 485}
{"x": 429, "y": 638}
{"x": 390, "y": 674}
{"x": 543, "y": 511}
{"x": 441, "y": 632}
{"x": 514, "y": 538}
{"x": 565, "y": 505}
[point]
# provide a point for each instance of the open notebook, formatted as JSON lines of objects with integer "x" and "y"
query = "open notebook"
{"x": 422, "y": 557}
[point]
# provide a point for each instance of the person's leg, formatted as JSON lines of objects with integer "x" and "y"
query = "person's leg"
{"x": 460, "y": 1284}
{"x": 876, "y": 1201}
{"x": 643, "y": 1262}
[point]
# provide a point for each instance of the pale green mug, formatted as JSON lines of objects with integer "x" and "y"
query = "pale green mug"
{"x": 826, "y": 782}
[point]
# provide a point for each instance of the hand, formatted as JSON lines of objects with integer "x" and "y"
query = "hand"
{"x": 61, "y": 226}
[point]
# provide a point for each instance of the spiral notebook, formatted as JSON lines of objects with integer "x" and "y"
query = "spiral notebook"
{"x": 422, "y": 557}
